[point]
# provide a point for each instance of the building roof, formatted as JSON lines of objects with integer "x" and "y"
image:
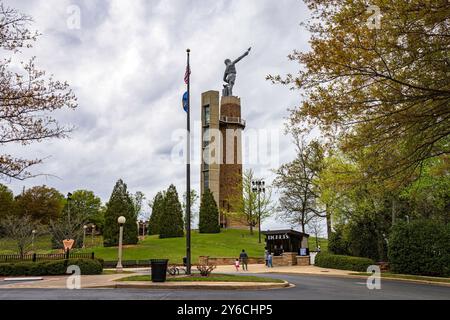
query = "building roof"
{"x": 286, "y": 231}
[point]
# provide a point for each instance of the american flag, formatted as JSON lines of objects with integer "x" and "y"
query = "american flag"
{"x": 187, "y": 74}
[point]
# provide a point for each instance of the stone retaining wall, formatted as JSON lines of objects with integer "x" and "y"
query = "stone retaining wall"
{"x": 226, "y": 261}
{"x": 290, "y": 259}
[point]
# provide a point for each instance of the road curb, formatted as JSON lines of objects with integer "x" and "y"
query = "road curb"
{"x": 444, "y": 284}
{"x": 195, "y": 285}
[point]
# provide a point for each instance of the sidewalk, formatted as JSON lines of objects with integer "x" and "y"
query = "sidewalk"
{"x": 59, "y": 282}
{"x": 308, "y": 270}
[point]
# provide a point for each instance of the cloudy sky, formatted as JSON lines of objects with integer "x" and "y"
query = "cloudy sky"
{"x": 125, "y": 62}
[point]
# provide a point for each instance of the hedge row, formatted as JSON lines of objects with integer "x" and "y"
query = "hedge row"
{"x": 47, "y": 268}
{"x": 421, "y": 247}
{"x": 334, "y": 261}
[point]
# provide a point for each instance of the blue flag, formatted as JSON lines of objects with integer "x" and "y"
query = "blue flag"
{"x": 185, "y": 101}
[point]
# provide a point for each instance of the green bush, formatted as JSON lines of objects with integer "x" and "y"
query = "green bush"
{"x": 421, "y": 247}
{"x": 364, "y": 239}
{"x": 47, "y": 268}
{"x": 337, "y": 243}
{"x": 334, "y": 261}
{"x": 88, "y": 266}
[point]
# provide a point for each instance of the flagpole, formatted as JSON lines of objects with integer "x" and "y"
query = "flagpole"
{"x": 188, "y": 172}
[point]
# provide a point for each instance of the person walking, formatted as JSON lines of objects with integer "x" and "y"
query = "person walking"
{"x": 269, "y": 260}
{"x": 266, "y": 257}
{"x": 244, "y": 260}
{"x": 236, "y": 264}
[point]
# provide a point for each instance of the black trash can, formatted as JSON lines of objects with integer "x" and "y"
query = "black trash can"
{"x": 159, "y": 269}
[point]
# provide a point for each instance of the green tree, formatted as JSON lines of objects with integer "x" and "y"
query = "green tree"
{"x": 20, "y": 229}
{"x": 381, "y": 91}
{"x": 420, "y": 247}
{"x": 429, "y": 196}
{"x": 298, "y": 183}
{"x": 82, "y": 208}
{"x": 209, "y": 214}
{"x": 157, "y": 206}
{"x": 86, "y": 204}
{"x": 41, "y": 203}
{"x": 6, "y": 202}
{"x": 138, "y": 198}
{"x": 193, "y": 200}
{"x": 246, "y": 204}
{"x": 171, "y": 220}
{"x": 120, "y": 204}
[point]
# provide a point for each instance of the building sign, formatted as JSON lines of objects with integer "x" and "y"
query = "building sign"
{"x": 278, "y": 236}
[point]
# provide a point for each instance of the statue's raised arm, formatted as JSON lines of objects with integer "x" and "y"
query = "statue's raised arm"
{"x": 244, "y": 55}
{"x": 229, "y": 76}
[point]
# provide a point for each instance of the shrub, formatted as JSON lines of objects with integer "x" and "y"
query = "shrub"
{"x": 46, "y": 268}
{"x": 337, "y": 243}
{"x": 334, "y": 261}
{"x": 364, "y": 239}
{"x": 205, "y": 269}
{"x": 420, "y": 247}
{"x": 87, "y": 266}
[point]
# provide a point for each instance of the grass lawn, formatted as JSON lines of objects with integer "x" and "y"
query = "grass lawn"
{"x": 228, "y": 243}
{"x": 211, "y": 278}
{"x": 406, "y": 276}
{"x": 109, "y": 271}
{"x": 42, "y": 244}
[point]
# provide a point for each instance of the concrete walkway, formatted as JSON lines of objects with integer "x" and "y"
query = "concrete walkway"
{"x": 108, "y": 280}
{"x": 307, "y": 270}
{"x": 59, "y": 282}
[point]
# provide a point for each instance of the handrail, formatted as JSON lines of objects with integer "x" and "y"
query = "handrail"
{"x": 232, "y": 120}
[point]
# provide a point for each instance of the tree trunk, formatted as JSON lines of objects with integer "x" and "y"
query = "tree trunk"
{"x": 328, "y": 218}
{"x": 251, "y": 223}
{"x": 394, "y": 209}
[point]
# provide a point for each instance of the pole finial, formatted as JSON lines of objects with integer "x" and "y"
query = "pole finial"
{"x": 188, "y": 50}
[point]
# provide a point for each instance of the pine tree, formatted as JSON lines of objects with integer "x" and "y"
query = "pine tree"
{"x": 209, "y": 214}
{"x": 171, "y": 220}
{"x": 157, "y": 206}
{"x": 120, "y": 204}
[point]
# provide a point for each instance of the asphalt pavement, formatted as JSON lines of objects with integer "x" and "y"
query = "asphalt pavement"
{"x": 306, "y": 287}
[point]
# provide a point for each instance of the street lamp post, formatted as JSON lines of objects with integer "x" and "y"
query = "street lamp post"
{"x": 69, "y": 197}
{"x": 84, "y": 236}
{"x": 258, "y": 187}
{"x": 92, "y": 234}
{"x": 121, "y": 220}
{"x": 33, "y": 233}
{"x": 138, "y": 227}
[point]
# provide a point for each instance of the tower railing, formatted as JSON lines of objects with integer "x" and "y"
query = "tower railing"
{"x": 237, "y": 120}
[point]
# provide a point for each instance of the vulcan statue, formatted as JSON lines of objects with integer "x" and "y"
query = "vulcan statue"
{"x": 230, "y": 74}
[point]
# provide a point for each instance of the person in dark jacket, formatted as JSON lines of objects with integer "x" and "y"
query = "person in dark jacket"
{"x": 244, "y": 260}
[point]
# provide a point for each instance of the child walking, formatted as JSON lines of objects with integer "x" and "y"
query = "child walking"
{"x": 236, "y": 264}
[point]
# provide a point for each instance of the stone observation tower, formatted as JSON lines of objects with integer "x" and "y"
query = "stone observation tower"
{"x": 222, "y": 125}
{"x": 221, "y": 169}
